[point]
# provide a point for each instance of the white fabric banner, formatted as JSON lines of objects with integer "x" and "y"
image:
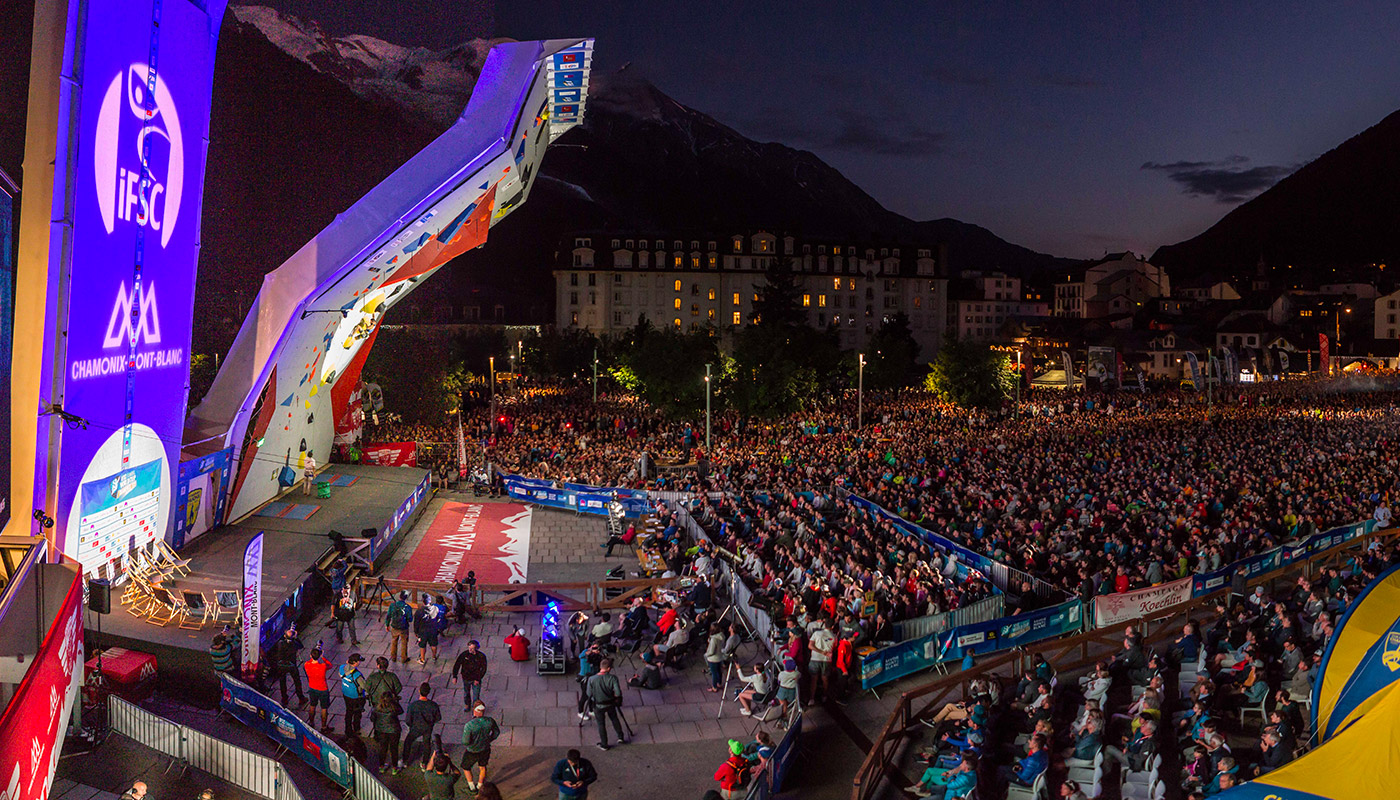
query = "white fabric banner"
{"x": 252, "y": 604}
{"x": 1111, "y": 609}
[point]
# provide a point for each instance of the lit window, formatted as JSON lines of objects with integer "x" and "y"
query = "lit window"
{"x": 712, "y": 294}
{"x": 836, "y": 284}
{"x": 694, "y": 310}
{"x": 736, "y": 298}
{"x": 573, "y": 319}
{"x": 738, "y": 245}
{"x": 710, "y": 315}
{"x": 678, "y": 286}
{"x": 836, "y": 251}
{"x": 713, "y": 260}
{"x": 677, "y": 322}
{"x": 677, "y": 261}
{"x": 755, "y": 297}
{"x": 851, "y": 284}
{"x": 806, "y": 301}
{"x": 695, "y": 262}
{"x": 821, "y": 301}
{"x": 918, "y": 302}
{"x": 677, "y": 304}
{"x": 738, "y": 318}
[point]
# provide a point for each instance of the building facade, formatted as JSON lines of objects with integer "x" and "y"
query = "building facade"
{"x": 1117, "y": 284}
{"x": 992, "y": 300}
{"x": 606, "y": 282}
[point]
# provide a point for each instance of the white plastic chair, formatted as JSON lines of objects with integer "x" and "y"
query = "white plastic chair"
{"x": 1084, "y": 775}
{"x": 1036, "y": 791}
{"x": 1146, "y": 777}
{"x": 1256, "y": 709}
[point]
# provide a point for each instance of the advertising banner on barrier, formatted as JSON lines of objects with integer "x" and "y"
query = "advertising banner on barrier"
{"x": 575, "y": 497}
{"x": 265, "y": 716}
{"x": 200, "y": 494}
{"x": 123, "y": 291}
{"x": 41, "y": 703}
{"x": 391, "y": 454}
{"x": 896, "y": 661}
{"x": 1111, "y": 609}
{"x": 966, "y": 558}
{"x": 402, "y": 515}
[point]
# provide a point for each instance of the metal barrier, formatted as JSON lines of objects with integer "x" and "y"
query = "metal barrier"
{"x": 758, "y": 620}
{"x": 258, "y": 774}
{"x": 367, "y": 786}
{"x": 984, "y": 610}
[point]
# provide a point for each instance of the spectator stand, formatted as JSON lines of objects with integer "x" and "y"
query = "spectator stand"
{"x": 1068, "y": 655}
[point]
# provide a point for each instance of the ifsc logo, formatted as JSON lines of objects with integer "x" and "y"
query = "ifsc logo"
{"x": 124, "y": 124}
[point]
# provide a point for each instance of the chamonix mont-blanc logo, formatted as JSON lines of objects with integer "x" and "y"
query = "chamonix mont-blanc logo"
{"x": 121, "y": 329}
{"x": 124, "y": 124}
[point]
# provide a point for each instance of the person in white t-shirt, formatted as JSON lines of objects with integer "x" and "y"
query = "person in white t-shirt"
{"x": 822, "y": 643}
{"x": 309, "y": 472}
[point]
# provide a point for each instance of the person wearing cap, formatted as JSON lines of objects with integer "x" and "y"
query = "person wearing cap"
{"x": 355, "y": 691}
{"x": 397, "y": 621}
{"x": 651, "y": 674}
{"x": 283, "y": 658}
{"x": 471, "y": 667}
{"x": 519, "y": 645}
{"x": 477, "y": 735}
{"x": 733, "y": 774}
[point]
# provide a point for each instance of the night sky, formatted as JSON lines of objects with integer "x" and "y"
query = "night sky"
{"x": 1071, "y": 128}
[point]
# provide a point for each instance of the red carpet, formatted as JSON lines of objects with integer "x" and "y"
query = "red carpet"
{"x": 493, "y": 539}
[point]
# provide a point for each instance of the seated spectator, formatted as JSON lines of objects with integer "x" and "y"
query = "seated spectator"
{"x": 957, "y": 782}
{"x": 519, "y": 645}
{"x": 1086, "y": 745}
{"x": 1029, "y": 767}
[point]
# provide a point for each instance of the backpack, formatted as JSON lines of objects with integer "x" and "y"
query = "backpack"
{"x": 400, "y": 616}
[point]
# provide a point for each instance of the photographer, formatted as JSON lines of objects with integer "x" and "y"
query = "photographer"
{"x": 440, "y": 774}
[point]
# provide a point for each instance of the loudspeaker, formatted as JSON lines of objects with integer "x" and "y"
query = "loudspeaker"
{"x": 100, "y": 596}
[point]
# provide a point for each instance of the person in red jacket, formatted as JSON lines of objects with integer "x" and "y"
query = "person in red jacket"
{"x": 519, "y": 646}
{"x": 733, "y": 774}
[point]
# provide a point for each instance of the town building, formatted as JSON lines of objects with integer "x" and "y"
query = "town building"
{"x": 1116, "y": 284}
{"x": 606, "y": 282}
{"x": 985, "y": 302}
{"x": 1387, "y": 322}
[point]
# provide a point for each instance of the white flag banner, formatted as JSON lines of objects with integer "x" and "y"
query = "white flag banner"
{"x": 461, "y": 448}
{"x": 252, "y": 605}
{"x": 1111, "y": 609}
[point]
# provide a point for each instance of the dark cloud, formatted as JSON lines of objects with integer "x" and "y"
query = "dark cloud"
{"x": 890, "y": 134}
{"x": 1229, "y": 180}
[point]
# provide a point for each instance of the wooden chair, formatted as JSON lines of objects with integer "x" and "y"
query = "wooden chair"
{"x": 165, "y": 608}
{"x": 196, "y": 605}
{"x": 167, "y": 558}
{"x": 227, "y": 603}
{"x": 138, "y": 595}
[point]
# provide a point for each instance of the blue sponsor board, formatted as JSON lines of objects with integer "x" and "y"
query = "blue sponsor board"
{"x": 264, "y": 715}
{"x": 401, "y": 516}
{"x": 1279, "y": 557}
{"x": 966, "y": 558}
{"x": 896, "y": 661}
{"x": 200, "y": 494}
{"x": 575, "y": 497}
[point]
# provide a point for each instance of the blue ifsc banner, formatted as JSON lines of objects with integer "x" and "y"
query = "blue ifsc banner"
{"x": 575, "y": 497}
{"x": 978, "y": 638}
{"x": 263, "y": 714}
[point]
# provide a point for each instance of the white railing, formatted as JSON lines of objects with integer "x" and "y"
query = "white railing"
{"x": 257, "y": 774}
{"x": 367, "y": 786}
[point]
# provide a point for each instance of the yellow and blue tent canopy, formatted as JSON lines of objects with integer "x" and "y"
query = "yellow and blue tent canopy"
{"x": 1362, "y": 762}
{"x": 1361, "y": 660}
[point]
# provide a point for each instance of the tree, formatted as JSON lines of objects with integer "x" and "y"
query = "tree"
{"x": 559, "y": 353}
{"x": 892, "y": 355}
{"x": 777, "y": 304}
{"x": 970, "y": 375}
{"x": 666, "y": 367}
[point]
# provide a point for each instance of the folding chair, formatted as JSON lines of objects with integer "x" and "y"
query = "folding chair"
{"x": 167, "y": 557}
{"x": 165, "y": 607}
{"x": 138, "y": 595}
{"x": 196, "y": 605}
{"x": 227, "y": 603}
{"x": 1037, "y": 790}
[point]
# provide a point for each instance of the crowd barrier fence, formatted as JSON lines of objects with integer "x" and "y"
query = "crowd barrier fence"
{"x": 576, "y": 497}
{"x": 988, "y": 608}
{"x": 257, "y": 774}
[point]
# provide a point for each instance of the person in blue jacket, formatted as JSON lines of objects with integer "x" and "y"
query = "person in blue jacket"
{"x": 573, "y": 774}
{"x": 949, "y": 784}
{"x": 1029, "y": 768}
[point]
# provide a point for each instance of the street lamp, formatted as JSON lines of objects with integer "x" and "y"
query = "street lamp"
{"x": 860, "y": 392}
{"x": 492, "y": 361}
{"x": 595, "y": 376}
{"x": 708, "y": 454}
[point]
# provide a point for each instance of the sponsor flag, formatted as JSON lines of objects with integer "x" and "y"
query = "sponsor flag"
{"x": 1069, "y": 367}
{"x": 1282, "y": 361}
{"x": 1323, "y": 349}
{"x": 1195, "y": 366}
{"x": 461, "y": 448}
{"x": 1142, "y": 384}
{"x": 1118, "y": 369}
{"x": 252, "y": 605}
{"x": 1213, "y": 368}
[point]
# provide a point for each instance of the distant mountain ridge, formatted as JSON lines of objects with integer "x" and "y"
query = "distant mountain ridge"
{"x": 341, "y": 113}
{"x": 1341, "y": 210}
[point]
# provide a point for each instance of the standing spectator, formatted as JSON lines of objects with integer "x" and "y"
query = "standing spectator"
{"x": 822, "y": 643}
{"x": 573, "y": 774}
{"x": 344, "y": 616}
{"x": 471, "y": 666}
{"x": 386, "y": 732}
{"x": 425, "y": 624}
{"x": 309, "y": 473}
{"x": 221, "y": 653}
{"x": 316, "y": 668}
{"x": 423, "y": 716}
{"x": 440, "y": 776}
{"x": 284, "y": 657}
{"x": 353, "y": 688}
{"x": 714, "y": 656}
{"x": 397, "y": 622}
{"x": 478, "y": 734}
{"x": 788, "y": 681}
{"x": 733, "y": 774}
{"x": 382, "y": 681}
{"x": 605, "y": 692}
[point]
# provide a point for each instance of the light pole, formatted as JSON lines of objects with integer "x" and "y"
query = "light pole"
{"x": 707, "y": 413}
{"x": 1018, "y": 383}
{"x": 860, "y": 392}
{"x": 492, "y": 361}
{"x": 595, "y": 376}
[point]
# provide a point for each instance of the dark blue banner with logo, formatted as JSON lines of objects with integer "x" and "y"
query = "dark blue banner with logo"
{"x": 575, "y": 497}
{"x": 262, "y": 714}
{"x": 200, "y": 494}
{"x": 966, "y": 558}
{"x": 905, "y": 658}
{"x": 1279, "y": 557}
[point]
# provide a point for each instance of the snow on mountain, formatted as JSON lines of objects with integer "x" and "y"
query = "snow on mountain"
{"x": 431, "y": 84}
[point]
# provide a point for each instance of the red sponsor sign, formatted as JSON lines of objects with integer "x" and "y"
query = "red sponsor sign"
{"x": 491, "y": 539}
{"x": 32, "y": 722}
{"x": 392, "y": 454}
